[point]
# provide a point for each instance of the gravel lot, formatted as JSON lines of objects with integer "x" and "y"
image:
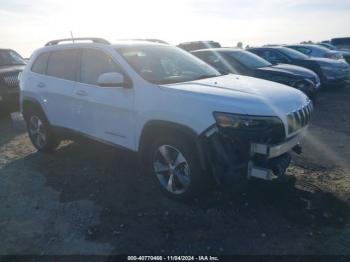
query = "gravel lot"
{"x": 88, "y": 198}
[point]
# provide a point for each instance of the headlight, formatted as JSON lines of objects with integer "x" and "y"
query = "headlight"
{"x": 304, "y": 83}
{"x": 244, "y": 122}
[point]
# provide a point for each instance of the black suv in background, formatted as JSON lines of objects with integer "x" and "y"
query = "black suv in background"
{"x": 330, "y": 71}
{"x": 11, "y": 64}
{"x": 241, "y": 62}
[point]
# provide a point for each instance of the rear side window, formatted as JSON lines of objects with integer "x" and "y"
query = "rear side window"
{"x": 63, "y": 64}
{"x": 40, "y": 64}
{"x": 273, "y": 56}
{"x": 94, "y": 63}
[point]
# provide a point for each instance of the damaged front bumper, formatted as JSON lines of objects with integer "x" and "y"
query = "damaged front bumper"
{"x": 233, "y": 157}
{"x": 272, "y": 160}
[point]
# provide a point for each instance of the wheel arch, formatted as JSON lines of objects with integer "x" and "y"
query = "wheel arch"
{"x": 158, "y": 127}
{"x": 31, "y": 104}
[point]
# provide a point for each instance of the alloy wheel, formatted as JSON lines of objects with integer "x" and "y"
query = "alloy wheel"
{"x": 172, "y": 169}
{"x": 37, "y": 132}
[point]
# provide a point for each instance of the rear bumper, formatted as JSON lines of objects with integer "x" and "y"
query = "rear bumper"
{"x": 336, "y": 80}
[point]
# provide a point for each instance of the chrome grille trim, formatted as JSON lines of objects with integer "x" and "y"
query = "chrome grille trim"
{"x": 299, "y": 118}
{"x": 11, "y": 80}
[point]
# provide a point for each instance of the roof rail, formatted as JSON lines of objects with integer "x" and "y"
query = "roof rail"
{"x": 93, "y": 39}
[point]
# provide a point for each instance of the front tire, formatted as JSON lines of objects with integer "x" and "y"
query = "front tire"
{"x": 173, "y": 162}
{"x": 40, "y": 132}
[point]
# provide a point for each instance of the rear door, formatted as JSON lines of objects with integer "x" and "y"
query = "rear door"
{"x": 57, "y": 86}
{"x": 105, "y": 113}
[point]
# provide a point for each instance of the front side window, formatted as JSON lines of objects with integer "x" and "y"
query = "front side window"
{"x": 166, "y": 64}
{"x": 292, "y": 53}
{"x": 10, "y": 57}
{"x": 95, "y": 63}
{"x": 273, "y": 56}
{"x": 40, "y": 64}
{"x": 63, "y": 64}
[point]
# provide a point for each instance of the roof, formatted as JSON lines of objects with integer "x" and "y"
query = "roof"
{"x": 306, "y": 45}
{"x": 265, "y": 47}
{"x": 129, "y": 43}
{"x": 219, "y": 49}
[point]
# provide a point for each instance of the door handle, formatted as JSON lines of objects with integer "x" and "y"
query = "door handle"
{"x": 81, "y": 93}
{"x": 40, "y": 85}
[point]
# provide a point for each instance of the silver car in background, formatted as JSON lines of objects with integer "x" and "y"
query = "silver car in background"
{"x": 317, "y": 51}
{"x": 346, "y": 54}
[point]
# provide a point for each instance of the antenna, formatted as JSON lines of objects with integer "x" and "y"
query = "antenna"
{"x": 71, "y": 35}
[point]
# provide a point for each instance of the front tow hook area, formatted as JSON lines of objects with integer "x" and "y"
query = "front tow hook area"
{"x": 297, "y": 149}
{"x": 280, "y": 164}
{"x": 268, "y": 169}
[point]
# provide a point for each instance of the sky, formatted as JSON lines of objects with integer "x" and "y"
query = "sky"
{"x": 28, "y": 25}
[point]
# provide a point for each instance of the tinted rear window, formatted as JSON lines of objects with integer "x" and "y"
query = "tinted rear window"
{"x": 40, "y": 64}
{"x": 63, "y": 64}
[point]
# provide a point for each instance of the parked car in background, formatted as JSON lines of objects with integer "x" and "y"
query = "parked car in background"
{"x": 346, "y": 54}
{"x": 238, "y": 61}
{"x": 316, "y": 51}
{"x": 154, "y": 40}
{"x": 190, "y": 125}
{"x": 11, "y": 64}
{"x": 342, "y": 43}
{"x": 196, "y": 45}
{"x": 330, "y": 71}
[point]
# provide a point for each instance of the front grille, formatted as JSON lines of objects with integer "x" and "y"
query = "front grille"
{"x": 11, "y": 80}
{"x": 299, "y": 118}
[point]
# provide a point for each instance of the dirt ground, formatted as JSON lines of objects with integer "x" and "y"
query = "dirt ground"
{"x": 88, "y": 198}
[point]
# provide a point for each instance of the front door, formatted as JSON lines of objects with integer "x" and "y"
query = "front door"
{"x": 106, "y": 113}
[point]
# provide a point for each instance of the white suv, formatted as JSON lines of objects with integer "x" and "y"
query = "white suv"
{"x": 190, "y": 125}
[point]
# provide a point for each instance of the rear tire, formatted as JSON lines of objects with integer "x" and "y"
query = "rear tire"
{"x": 40, "y": 131}
{"x": 172, "y": 160}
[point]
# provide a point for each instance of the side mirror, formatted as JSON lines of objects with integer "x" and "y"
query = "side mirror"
{"x": 111, "y": 80}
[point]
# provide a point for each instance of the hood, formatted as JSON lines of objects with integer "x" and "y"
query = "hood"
{"x": 11, "y": 68}
{"x": 289, "y": 69}
{"x": 249, "y": 95}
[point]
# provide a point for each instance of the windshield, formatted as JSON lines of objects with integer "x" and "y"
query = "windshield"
{"x": 9, "y": 57}
{"x": 292, "y": 53}
{"x": 166, "y": 64}
{"x": 248, "y": 59}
